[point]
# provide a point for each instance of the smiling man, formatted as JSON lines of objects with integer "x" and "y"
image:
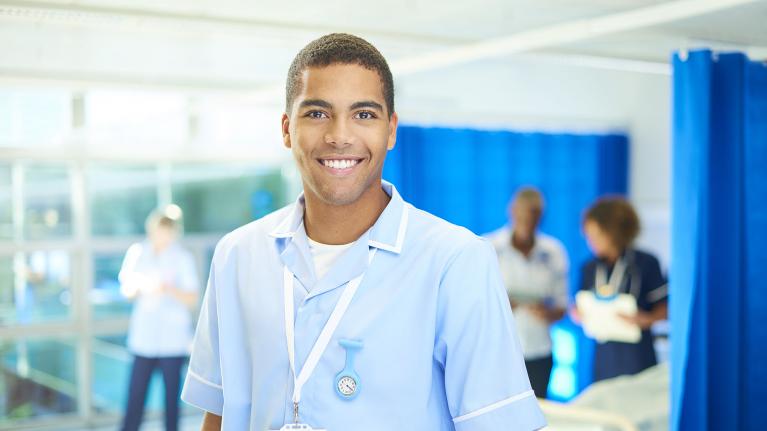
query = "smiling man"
{"x": 351, "y": 309}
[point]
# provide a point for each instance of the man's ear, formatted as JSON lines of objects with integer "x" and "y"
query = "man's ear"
{"x": 392, "y": 131}
{"x": 286, "y": 131}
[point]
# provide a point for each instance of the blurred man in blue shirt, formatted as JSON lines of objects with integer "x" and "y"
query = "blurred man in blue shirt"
{"x": 534, "y": 270}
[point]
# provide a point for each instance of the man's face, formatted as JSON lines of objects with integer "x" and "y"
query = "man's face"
{"x": 339, "y": 132}
{"x": 525, "y": 218}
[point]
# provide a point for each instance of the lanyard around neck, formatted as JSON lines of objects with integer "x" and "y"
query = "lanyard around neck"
{"x": 321, "y": 344}
{"x": 616, "y": 278}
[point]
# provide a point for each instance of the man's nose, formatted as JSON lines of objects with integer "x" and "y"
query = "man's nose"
{"x": 339, "y": 133}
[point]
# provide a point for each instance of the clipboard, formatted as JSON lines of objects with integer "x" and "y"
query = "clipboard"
{"x": 600, "y": 318}
{"x": 526, "y": 299}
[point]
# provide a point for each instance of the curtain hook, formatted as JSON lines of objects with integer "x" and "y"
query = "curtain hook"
{"x": 684, "y": 49}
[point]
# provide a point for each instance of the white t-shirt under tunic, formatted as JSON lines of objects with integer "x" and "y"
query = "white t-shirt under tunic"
{"x": 325, "y": 255}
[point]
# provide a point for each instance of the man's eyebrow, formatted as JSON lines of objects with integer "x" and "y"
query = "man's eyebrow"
{"x": 315, "y": 102}
{"x": 367, "y": 104}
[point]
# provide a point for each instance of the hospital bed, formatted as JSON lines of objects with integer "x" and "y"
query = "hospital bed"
{"x": 627, "y": 403}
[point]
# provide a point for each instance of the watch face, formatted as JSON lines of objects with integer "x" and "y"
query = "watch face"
{"x": 347, "y": 385}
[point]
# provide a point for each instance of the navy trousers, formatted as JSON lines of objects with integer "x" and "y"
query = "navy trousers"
{"x": 141, "y": 374}
{"x": 539, "y": 371}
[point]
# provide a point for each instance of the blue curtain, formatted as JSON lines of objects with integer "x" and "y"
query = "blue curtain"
{"x": 719, "y": 264}
{"x": 467, "y": 176}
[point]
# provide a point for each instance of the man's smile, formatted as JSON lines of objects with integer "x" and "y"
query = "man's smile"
{"x": 340, "y": 165}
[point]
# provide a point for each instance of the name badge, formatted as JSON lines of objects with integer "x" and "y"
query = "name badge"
{"x": 298, "y": 427}
{"x": 605, "y": 291}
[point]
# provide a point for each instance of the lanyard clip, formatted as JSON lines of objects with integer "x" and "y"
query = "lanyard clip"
{"x": 295, "y": 412}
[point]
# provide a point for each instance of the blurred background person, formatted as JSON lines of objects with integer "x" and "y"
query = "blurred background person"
{"x": 534, "y": 268}
{"x": 611, "y": 225}
{"x": 160, "y": 276}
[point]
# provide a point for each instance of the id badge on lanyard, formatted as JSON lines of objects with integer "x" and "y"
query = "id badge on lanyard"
{"x": 301, "y": 377}
{"x": 607, "y": 289}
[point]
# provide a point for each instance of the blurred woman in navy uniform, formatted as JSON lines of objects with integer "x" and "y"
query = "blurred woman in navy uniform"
{"x": 611, "y": 225}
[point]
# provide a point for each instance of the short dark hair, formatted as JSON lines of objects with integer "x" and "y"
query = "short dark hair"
{"x": 531, "y": 196}
{"x": 339, "y": 48}
{"x": 617, "y": 218}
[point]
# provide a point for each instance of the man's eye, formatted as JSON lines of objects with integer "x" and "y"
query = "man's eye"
{"x": 316, "y": 114}
{"x": 365, "y": 115}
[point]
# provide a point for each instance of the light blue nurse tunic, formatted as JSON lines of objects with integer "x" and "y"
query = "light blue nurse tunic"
{"x": 440, "y": 350}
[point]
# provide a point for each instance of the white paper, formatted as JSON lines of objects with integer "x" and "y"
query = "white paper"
{"x": 601, "y": 320}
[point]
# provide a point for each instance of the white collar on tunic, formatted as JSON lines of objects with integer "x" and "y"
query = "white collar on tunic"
{"x": 388, "y": 232}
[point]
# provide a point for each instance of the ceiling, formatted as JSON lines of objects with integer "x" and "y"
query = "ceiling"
{"x": 235, "y": 45}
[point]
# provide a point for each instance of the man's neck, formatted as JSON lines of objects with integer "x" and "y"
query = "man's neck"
{"x": 343, "y": 224}
{"x": 523, "y": 245}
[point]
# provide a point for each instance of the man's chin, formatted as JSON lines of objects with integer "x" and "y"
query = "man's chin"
{"x": 340, "y": 199}
{"x": 340, "y": 196}
{"x": 340, "y": 193}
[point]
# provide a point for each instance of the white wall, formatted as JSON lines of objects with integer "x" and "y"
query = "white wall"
{"x": 526, "y": 93}
{"x": 531, "y": 92}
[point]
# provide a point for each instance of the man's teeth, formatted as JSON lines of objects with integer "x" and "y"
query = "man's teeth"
{"x": 340, "y": 164}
